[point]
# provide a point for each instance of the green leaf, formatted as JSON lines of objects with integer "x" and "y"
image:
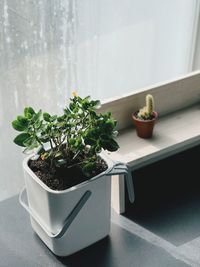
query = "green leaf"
{"x": 72, "y": 141}
{"x": 17, "y": 125}
{"x": 46, "y": 116}
{"x": 110, "y": 145}
{"x": 87, "y": 98}
{"x": 87, "y": 168}
{"x": 38, "y": 124}
{"x": 98, "y": 149}
{"x": 31, "y": 143}
{"x": 61, "y": 118}
{"x": 110, "y": 124}
{"x": 29, "y": 112}
{"x": 37, "y": 116}
{"x": 72, "y": 106}
{"x": 53, "y": 118}
{"x": 21, "y": 138}
{"x": 80, "y": 111}
{"x": 28, "y": 142}
{"x": 85, "y": 104}
{"x": 67, "y": 111}
{"x": 96, "y": 104}
{"x": 23, "y": 120}
{"x": 78, "y": 142}
{"x": 105, "y": 137}
{"x": 90, "y": 141}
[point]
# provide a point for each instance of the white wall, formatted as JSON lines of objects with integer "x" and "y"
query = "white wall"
{"x": 126, "y": 45}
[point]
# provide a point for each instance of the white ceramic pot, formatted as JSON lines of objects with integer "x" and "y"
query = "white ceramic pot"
{"x": 72, "y": 219}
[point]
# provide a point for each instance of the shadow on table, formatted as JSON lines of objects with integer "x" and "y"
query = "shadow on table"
{"x": 98, "y": 254}
{"x": 168, "y": 197}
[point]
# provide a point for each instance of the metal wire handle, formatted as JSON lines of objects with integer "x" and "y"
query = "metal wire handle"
{"x": 121, "y": 168}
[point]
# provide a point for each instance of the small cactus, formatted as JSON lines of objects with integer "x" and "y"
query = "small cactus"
{"x": 149, "y": 104}
{"x": 146, "y": 113}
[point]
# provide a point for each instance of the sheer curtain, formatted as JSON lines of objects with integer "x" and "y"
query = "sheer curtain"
{"x": 126, "y": 45}
{"x": 196, "y": 56}
{"x": 37, "y": 67}
{"x": 103, "y": 48}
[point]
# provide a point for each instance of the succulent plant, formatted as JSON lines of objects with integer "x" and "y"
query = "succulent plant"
{"x": 75, "y": 138}
{"x": 146, "y": 113}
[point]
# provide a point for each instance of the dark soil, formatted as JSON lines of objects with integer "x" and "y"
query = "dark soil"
{"x": 60, "y": 178}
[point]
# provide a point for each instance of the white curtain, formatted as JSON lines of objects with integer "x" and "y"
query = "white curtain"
{"x": 101, "y": 48}
{"x": 126, "y": 45}
{"x": 37, "y": 68}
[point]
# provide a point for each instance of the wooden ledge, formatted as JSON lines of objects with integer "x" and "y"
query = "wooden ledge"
{"x": 172, "y": 133}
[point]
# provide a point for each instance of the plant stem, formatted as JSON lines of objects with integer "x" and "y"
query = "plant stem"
{"x": 51, "y": 144}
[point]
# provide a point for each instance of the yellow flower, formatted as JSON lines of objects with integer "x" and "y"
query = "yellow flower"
{"x": 74, "y": 93}
{"x": 42, "y": 157}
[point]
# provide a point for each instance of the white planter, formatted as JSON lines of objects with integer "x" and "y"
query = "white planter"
{"x": 70, "y": 220}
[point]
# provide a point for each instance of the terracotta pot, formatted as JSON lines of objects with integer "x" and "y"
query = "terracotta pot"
{"x": 144, "y": 128}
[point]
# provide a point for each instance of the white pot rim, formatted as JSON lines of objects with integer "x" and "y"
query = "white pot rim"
{"x": 45, "y": 187}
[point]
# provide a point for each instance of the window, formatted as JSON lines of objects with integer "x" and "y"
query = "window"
{"x": 104, "y": 48}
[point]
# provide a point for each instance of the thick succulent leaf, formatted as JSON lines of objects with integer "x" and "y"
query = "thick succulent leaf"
{"x": 22, "y": 120}
{"x": 37, "y": 116}
{"x": 110, "y": 145}
{"x": 21, "y": 138}
{"x": 29, "y": 112}
{"x": 96, "y": 104}
{"x": 46, "y": 116}
{"x": 17, "y": 125}
{"x": 53, "y": 118}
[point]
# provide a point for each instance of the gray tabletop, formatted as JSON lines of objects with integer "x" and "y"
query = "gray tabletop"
{"x": 20, "y": 246}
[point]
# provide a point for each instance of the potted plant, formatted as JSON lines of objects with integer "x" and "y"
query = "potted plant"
{"x": 145, "y": 118}
{"x": 67, "y": 179}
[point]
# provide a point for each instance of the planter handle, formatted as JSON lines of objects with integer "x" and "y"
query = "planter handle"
{"x": 67, "y": 221}
{"x": 121, "y": 168}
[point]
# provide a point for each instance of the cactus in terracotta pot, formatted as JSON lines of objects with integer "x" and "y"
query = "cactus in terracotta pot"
{"x": 144, "y": 119}
{"x": 146, "y": 113}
